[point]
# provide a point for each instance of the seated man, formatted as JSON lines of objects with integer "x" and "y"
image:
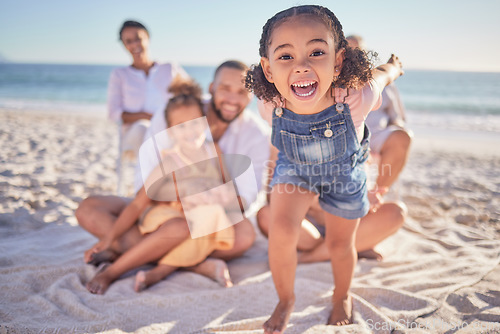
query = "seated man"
{"x": 235, "y": 129}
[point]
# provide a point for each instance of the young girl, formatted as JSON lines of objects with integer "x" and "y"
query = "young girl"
{"x": 161, "y": 220}
{"x": 323, "y": 91}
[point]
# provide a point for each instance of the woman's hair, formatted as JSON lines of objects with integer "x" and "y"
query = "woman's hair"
{"x": 131, "y": 24}
{"x": 356, "y": 68}
{"x": 186, "y": 92}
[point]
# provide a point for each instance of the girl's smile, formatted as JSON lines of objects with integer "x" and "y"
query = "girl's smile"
{"x": 301, "y": 63}
{"x": 304, "y": 88}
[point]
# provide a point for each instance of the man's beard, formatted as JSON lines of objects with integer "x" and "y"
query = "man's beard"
{"x": 219, "y": 113}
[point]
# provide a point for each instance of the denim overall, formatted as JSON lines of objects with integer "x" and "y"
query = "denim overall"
{"x": 322, "y": 154}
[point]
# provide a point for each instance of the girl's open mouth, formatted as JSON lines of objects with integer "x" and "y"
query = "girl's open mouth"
{"x": 304, "y": 88}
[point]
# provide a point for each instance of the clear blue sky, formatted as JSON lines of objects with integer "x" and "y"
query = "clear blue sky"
{"x": 444, "y": 34}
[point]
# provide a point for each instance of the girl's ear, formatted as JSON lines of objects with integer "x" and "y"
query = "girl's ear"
{"x": 266, "y": 68}
{"x": 339, "y": 59}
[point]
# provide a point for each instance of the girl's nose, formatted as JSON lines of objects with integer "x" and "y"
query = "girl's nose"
{"x": 302, "y": 66}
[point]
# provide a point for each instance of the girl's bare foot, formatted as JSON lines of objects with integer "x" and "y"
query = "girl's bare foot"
{"x": 215, "y": 269}
{"x": 342, "y": 312}
{"x": 370, "y": 254}
{"x": 100, "y": 283}
{"x": 279, "y": 319}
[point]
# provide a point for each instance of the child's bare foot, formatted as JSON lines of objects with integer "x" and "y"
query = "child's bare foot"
{"x": 215, "y": 269}
{"x": 100, "y": 283}
{"x": 279, "y": 319}
{"x": 370, "y": 254}
{"x": 104, "y": 256}
{"x": 342, "y": 312}
{"x": 140, "y": 281}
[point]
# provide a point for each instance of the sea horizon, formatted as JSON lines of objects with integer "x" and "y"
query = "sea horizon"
{"x": 215, "y": 65}
{"x": 453, "y": 99}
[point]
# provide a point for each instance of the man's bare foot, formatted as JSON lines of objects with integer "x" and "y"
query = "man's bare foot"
{"x": 100, "y": 283}
{"x": 140, "y": 281}
{"x": 279, "y": 319}
{"x": 370, "y": 254}
{"x": 104, "y": 256}
{"x": 215, "y": 269}
{"x": 342, "y": 312}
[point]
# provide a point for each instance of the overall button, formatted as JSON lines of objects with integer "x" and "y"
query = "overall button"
{"x": 339, "y": 107}
{"x": 328, "y": 133}
{"x": 278, "y": 111}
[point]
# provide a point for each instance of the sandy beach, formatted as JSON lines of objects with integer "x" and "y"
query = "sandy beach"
{"x": 440, "y": 271}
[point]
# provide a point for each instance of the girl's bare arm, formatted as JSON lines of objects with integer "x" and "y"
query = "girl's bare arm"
{"x": 388, "y": 72}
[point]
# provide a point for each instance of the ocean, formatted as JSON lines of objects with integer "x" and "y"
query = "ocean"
{"x": 458, "y": 100}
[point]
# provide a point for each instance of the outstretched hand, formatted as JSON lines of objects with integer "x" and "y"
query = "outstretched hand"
{"x": 394, "y": 60}
{"x": 386, "y": 73}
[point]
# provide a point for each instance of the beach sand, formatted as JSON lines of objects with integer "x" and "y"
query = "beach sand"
{"x": 440, "y": 270}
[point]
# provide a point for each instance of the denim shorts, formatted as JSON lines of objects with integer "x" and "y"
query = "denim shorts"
{"x": 321, "y": 153}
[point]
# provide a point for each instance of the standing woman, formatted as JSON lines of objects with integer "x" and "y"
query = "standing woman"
{"x": 137, "y": 91}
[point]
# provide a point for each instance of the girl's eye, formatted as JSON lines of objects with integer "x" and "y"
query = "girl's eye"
{"x": 285, "y": 57}
{"x": 317, "y": 53}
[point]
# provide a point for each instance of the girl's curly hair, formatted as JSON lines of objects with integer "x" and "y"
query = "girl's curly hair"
{"x": 186, "y": 92}
{"x": 356, "y": 68}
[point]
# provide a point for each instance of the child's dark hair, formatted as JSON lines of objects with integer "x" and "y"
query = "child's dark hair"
{"x": 186, "y": 92}
{"x": 356, "y": 68}
{"x": 131, "y": 24}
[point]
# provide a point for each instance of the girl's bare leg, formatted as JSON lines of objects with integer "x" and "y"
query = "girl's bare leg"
{"x": 144, "y": 279}
{"x": 288, "y": 208}
{"x": 149, "y": 249}
{"x": 215, "y": 269}
{"x": 340, "y": 240}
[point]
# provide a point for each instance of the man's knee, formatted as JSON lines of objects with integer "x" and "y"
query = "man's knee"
{"x": 85, "y": 211}
{"x": 263, "y": 217}
{"x": 244, "y": 235}
{"x": 400, "y": 139}
{"x": 399, "y": 213}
